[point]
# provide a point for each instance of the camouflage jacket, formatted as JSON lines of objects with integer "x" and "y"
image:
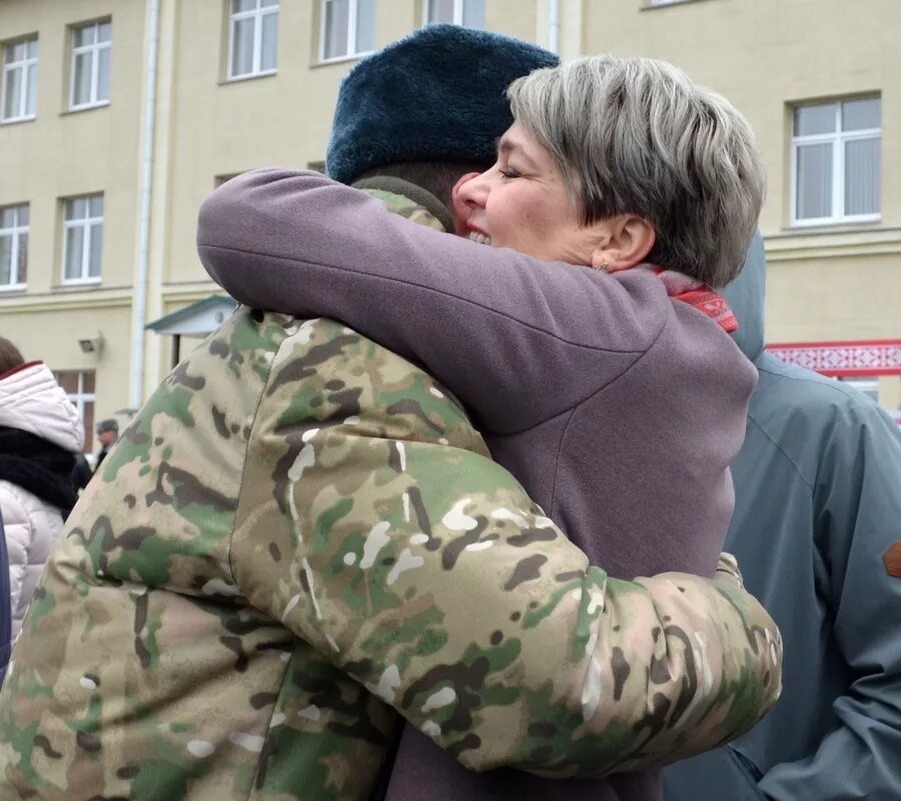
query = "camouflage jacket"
{"x": 300, "y": 535}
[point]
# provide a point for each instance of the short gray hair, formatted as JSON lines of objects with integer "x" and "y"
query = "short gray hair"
{"x": 636, "y": 136}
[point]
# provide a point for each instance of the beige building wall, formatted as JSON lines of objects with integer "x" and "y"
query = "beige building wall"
{"x": 61, "y": 154}
{"x": 834, "y": 283}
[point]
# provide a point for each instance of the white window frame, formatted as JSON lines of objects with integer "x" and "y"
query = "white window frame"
{"x": 94, "y": 49}
{"x": 23, "y": 65}
{"x": 353, "y": 19}
{"x": 837, "y": 138}
{"x": 459, "y": 7}
{"x": 257, "y": 15}
{"x": 15, "y": 232}
{"x": 88, "y": 224}
{"x": 79, "y": 398}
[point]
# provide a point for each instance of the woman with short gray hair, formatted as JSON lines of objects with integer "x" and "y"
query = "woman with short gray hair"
{"x": 614, "y": 394}
{"x": 636, "y": 136}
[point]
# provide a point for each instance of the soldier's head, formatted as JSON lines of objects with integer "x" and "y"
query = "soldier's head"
{"x": 10, "y": 356}
{"x": 428, "y": 108}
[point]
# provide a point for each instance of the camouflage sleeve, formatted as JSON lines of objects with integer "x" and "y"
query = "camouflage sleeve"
{"x": 423, "y": 570}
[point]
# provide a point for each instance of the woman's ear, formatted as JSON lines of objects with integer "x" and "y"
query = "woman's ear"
{"x": 625, "y": 241}
{"x": 460, "y": 208}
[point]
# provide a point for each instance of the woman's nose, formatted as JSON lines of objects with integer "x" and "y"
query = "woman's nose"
{"x": 473, "y": 188}
{"x": 462, "y": 205}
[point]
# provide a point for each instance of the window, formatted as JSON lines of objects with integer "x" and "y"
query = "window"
{"x": 82, "y": 239}
{"x": 79, "y": 386}
{"x": 348, "y": 28}
{"x": 470, "y": 13}
{"x": 253, "y": 38}
{"x": 13, "y": 246}
{"x": 90, "y": 65}
{"x": 837, "y": 162}
{"x": 20, "y": 80}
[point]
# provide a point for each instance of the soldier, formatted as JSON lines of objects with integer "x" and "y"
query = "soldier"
{"x": 301, "y": 535}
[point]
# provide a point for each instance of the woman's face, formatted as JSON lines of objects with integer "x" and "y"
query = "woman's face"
{"x": 522, "y": 203}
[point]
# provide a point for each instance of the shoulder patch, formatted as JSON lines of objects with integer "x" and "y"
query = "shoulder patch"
{"x": 892, "y": 559}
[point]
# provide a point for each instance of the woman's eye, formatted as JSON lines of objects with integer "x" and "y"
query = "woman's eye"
{"x": 508, "y": 173}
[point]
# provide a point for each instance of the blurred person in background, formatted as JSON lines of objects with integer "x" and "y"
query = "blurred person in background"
{"x": 81, "y": 473}
{"x": 107, "y": 434}
{"x": 817, "y": 531}
{"x": 40, "y": 433}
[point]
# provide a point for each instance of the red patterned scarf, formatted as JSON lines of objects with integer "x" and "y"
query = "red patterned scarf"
{"x": 698, "y": 294}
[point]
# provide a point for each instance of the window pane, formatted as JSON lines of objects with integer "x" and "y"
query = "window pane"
{"x": 96, "y": 206}
{"x": 863, "y": 176}
{"x": 365, "y": 26}
{"x": 68, "y": 380}
{"x": 88, "y": 381}
{"x": 33, "y": 48}
{"x": 12, "y": 94}
{"x": 815, "y": 119}
{"x": 96, "y": 250}
{"x": 269, "y": 58}
{"x": 441, "y": 11}
{"x": 32, "y": 90}
{"x": 89, "y": 425}
{"x": 860, "y": 114}
{"x": 76, "y": 208}
{"x": 243, "y": 5}
{"x": 8, "y": 217}
{"x": 103, "y": 77}
{"x": 74, "y": 247}
{"x": 84, "y": 35}
{"x": 242, "y": 47}
{"x": 814, "y": 181}
{"x": 269, "y": 3}
{"x": 6, "y": 258}
{"x": 18, "y": 51}
{"x": 23, "y": 258}
{"x": 474, "y": 13}
{"x": 105, "y": 32}
{"x": 81, "y": 92}
{"x": 336, "y": 19}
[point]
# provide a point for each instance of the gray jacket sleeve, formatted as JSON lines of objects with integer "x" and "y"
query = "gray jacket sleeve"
{"x": 858, "y": 519}
{"x": 485, "y": 321}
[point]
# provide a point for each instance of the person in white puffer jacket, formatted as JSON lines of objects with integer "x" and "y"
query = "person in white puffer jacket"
{"x": 40, "y": 433}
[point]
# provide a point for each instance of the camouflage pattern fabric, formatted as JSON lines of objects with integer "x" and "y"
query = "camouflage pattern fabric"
{"x": 300, "y": 531}
{"x": 301, "y": 535}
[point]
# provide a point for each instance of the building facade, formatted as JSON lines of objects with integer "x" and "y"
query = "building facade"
{"x": 117, "y": 117}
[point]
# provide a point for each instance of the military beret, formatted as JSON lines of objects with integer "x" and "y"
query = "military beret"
{"x": 435, "y": 95}
{"x": 107, "y": 425}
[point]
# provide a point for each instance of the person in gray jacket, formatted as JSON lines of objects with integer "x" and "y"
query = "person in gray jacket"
{"x": 817, "y": 531}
